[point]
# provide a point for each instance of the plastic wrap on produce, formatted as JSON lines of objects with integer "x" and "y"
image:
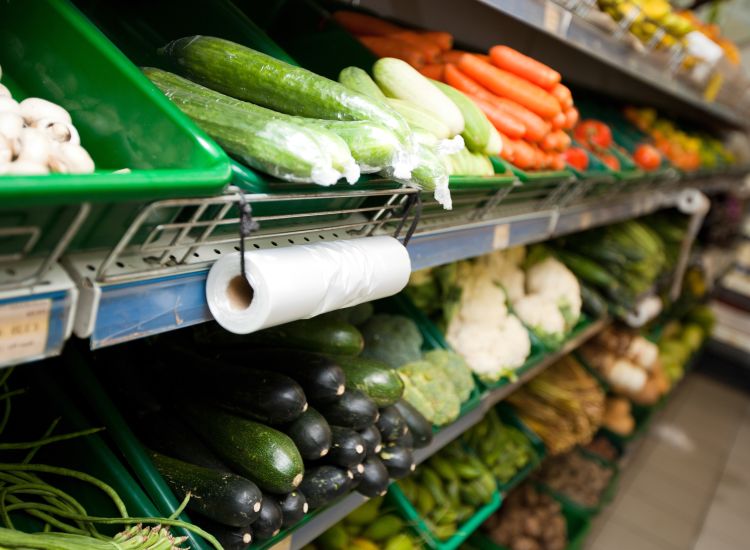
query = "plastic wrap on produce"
{"x": 450, "y": 146}
{"x": 299, "y": 282}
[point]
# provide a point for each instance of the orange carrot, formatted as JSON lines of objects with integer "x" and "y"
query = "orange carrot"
{"x": 536, "y": 128}
{"x": 363, "y": 24}
{"x": 510, "y": 86}
{"x": 556, "y": 141}
{"x": 558, "y": 162}
{"x": 391, "y": 47}
{"x": 504, "y": 123}
{"x": 461, "y": 82}
{"x": 524, "y": 155}
{"x": 507, "y": 151}
{"x": 433, "y": 70}
{"x": 540, "y": 158}
{"x": 557, "y": 121}
{"x": 454, "y": 56}
{"x": 563, "y": 95}
{"x": 430, "y": 51}
{"x": 524, "y": 66}
{"x": 443, "y": 40}
{"x": 571, "y": 118}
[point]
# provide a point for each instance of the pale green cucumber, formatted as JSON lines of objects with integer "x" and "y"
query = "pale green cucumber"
{"x": 477, "y": 127}
{"x": 420, "y": 118}
{"x": 357, "y": 79}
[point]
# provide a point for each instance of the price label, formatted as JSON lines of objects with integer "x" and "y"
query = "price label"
{"x": 283, "y": 544}
{"x": 551, "y": 17}
{"x": 23, "y": 329}
{"x": 586, "y": 220}
{"x": 501, "y": 237}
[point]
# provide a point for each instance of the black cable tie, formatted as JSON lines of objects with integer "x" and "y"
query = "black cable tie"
{"x": 414, "y": 200}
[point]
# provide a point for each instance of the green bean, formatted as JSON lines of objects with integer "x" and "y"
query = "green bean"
{"x": 47, "y": 433}
{"x": 46, "y": 441}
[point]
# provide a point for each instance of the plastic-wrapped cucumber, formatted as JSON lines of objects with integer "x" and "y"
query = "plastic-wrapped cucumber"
{"x": 476, "y": 132}
{"x": 253, "y": 76}
{"x": 420, "y": 118}
{"x": 357, "y": 79}
{"x": 431, "y": 175}
{"x": 227, "y": 120}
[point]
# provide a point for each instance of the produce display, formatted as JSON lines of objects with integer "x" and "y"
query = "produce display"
{"x": 603, "y": 447}
{"x": 680, "y": 339}
{"x": 38, "y": 137}
{"x": 596, "y": 137}
{"x": 578, "y": 478}
{"x": 448, "y": 489}
{"x": 564, "y": 405}
{"x": 618, "y": 416}
{"x": 503, "y": 449}
{"x": 528, "y": 520}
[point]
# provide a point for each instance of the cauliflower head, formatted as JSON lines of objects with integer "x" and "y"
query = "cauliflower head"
{"x": 552, "y": 278}
{"x": 543, "y": 316}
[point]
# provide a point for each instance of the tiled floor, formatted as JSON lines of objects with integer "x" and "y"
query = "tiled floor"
{"x": 687, "y": 485}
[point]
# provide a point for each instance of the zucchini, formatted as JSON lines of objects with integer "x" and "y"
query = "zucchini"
{"x": 319, "y": 334}
{"x": 420, "y": 118}
{"x": 373, "y": 440}
{"x": 391, "y": 424}
{"x": 399, "y": 461}
{"x": 419, "y": 427}
{"x": 354, "y": 410}
{"x": 284, "y": 149}
{"x": 375, "y": 480}
{"x": 222, "y": 497}
{"x": 358, "y": 472}
{"x": 348, "y": 448}
{"x": 377, "y": 380}
{"x": 323, "y": 484}
{"x": 476, "y": 132}
{"x": 270, "y": 519}
{"x": 406, "y": 440}
{"x": 253, "y": 76}
{"x": 293, "y": 507}
{"x": 495, "y": 144}
{"x": 396, "y": 78}
{"x": 358, "y": 80}
{"x": 255, "y": 451}
{"x": 230, "y": 538}
{"x": 311, "y": 434}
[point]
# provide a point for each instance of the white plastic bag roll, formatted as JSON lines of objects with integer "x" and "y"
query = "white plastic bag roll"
{"x": 299, "y": 282}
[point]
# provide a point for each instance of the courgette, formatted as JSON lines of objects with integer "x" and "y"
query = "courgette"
{"x": 222, "y": 497}
{"x": 420, "y": 118}
{"x": 293, "y": 507}
{"x": 263, "y": 455}
{"x": 376, "y": 379}
{"x": 373, "y": 440}
{"x": 419, "y": 427}
{"x": 399, "y": 461}
{"x": 311, "y": 434}
{"x": 358, "y": 80}
{"x": 476, "y": 131}
{"x": 253, "y": 76}
{"x": 375, "y": 480}
{"x": 354, "y": 410}
{"x": 324, "y": 483}
{"x": 347, "y": 449}
{"x": 270, "y": 519}
{"x": 405, "y": 440}
{"x": 230, "y": 538}
{"x": 391, "y": 424}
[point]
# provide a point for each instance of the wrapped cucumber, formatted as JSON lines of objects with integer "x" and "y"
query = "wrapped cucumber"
{"x": 357, "y": 79}
{"x": 430, "y": 174}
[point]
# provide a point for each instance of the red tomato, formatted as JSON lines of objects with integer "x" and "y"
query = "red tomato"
{"x": 647, "y": 157}
{"x": 610, "y": 160}
{"x": 577, "y": 158}
{"x": 593, "y": 133}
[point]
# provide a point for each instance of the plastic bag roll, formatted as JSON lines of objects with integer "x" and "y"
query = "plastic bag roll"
{"x": 299, "y": 282}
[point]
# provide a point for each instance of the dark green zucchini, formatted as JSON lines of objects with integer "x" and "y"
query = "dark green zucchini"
{"x": 399, "y": 461}
{"x": 269, "y": 520}
{"x": 311, "y": 434}
{"x": 230, "y": 538}
{"x": 260, "y": 453}
{"x": 323, "y": 484}
{"x": 419, "y": 427}
{"x": 391, "y": 424}
{"x": 347, "y": 448}
{"x": 354, "y": 410}
{"x": 222, "y": 497}
{"x": 406, "y": 440}
{"x": 381, "y": 383}
{"x": 358, "y": 472}
{"x": 293, "y": 507}
{"x": 373, "y": 440}
{"x": 318, "y": 335}
{"x": 375, "y": 479}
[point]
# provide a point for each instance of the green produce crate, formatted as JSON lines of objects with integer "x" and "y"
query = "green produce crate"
{"x": 405, "y": 507}
{"x": 578, "y": 527}
{"x": 124, "y": 122}
{"x": 508, "y": 416}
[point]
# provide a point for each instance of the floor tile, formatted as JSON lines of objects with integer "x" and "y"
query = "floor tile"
{"x": 732, "y": 524}
{"x": 687, "y": 501}
{"x": 733, "y": 490}
{"x": 618, "y": 536}
{"x": 711, "y": 540}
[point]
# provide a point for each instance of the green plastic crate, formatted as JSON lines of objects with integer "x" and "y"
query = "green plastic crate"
{"x": 124, "y": 122}
{"x": 508, "y": 416}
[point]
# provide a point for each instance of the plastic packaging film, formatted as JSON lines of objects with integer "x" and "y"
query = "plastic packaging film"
{"x": 303, "y": 281}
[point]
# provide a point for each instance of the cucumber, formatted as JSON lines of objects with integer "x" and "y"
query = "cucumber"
{"x": 323, "y": 484}
{"x": 253, "y": 76}
{"x": 354, "y": 410}
{"x": 399, "y": 461}
{"x": 348, "y": 448}
{"x": 375, "y": 480}
{"x": 230, "y": 538}
{"x": 431, "y": 174}
{"x": 358, "y": 80}
{"x": 311, "y": 434}
{"x": 495, "y": 144}
{"x": 219, "y": 496}
{"x": 476, "y": 132}
{"x": 284, "y": 149}
{"x": 255, "y": 451}
{"x": 373, "y": 440}
{"x": 293, "y": 507}
{"x": 419, "y": 427}
{"x": 391, "y": 424}
{"x": 376, "y": 379}
{"x": 318, "y": 335}
{"x": 420, "y": 118}
{"x": 269, "y": 520}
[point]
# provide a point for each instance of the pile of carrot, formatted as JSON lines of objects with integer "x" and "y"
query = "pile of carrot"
{"x": 523, "y": 98}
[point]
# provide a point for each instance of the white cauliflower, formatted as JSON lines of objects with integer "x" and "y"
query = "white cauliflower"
{"x": 552, "y": 278}
{"x": 507, "y": 273}
{"x": 482, "y": 301}
{"x": 541, "y": 314}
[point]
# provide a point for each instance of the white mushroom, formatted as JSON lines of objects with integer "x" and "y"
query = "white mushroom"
{"x": 11, "y": 125}
{"x": 26, "y": 168}
{"x": 72, "y": 159}
{"x": 59, "y": 131}
{"x": 9, "y": 105}
{"x": 6, "y": 151}
{"x": 34, "y": 109}
{"x": 35, "y": 146}
{"x": 4, "y": 92}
